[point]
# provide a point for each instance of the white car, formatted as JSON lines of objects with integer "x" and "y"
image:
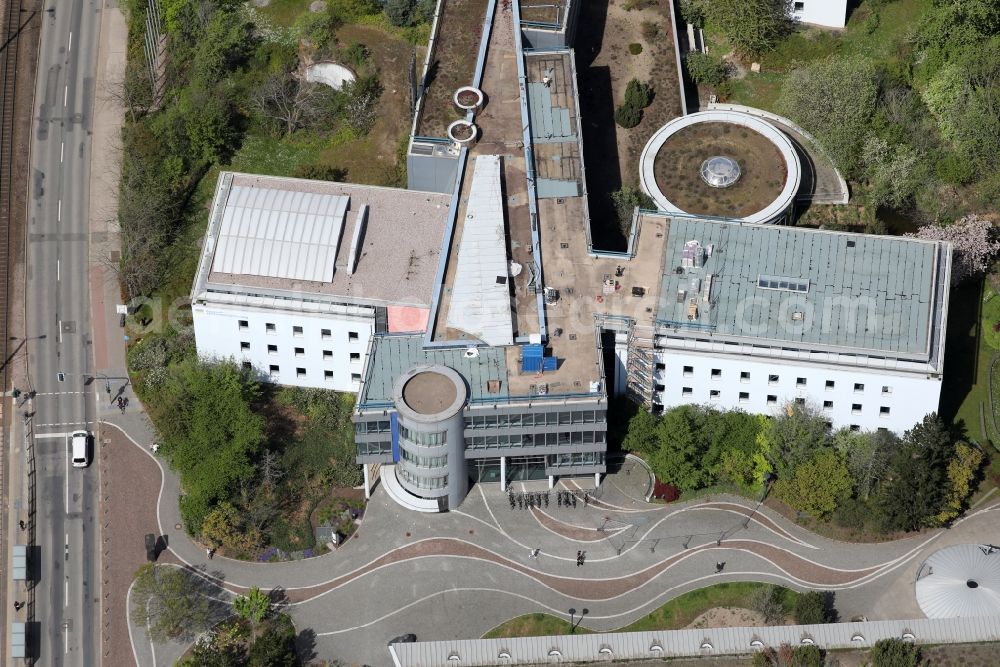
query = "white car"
{"x": 80, "y": 442}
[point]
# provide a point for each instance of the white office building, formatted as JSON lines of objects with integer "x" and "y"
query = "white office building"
{"x": 296, "y": 276}
{"x": 826, "y": 13}
{"x": 755, "y": 317}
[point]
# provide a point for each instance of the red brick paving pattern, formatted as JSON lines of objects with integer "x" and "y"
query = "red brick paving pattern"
{"x": 570, "y": 531}
{"x": 130, "y": 484}
{"x": 746, "y": 511}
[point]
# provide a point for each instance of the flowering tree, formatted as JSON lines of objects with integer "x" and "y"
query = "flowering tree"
{"x": 975, "y": 245}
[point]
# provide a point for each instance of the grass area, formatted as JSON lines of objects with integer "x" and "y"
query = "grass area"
{"x": 674, "y": 615}
{"x": 284, "y": 12}
{"x": 967, "y": 357}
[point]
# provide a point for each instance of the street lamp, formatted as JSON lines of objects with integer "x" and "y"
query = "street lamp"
{"x": 572, "y": 615}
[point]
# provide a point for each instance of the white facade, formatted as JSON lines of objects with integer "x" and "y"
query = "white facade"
{"x": 826, "y": 13}
{"x": 860, "y": 397}
{"x": 302, "y": 349}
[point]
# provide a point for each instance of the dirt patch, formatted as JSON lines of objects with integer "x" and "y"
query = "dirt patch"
{"x": 452, "y": 65}
{"x": 605, "y": 66}
{"x": 678, "y": 164}
{"x": 728, "y": 617}
{"x": 373, "y": 159}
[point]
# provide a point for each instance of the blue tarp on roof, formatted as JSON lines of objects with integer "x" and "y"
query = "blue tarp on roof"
{"x": 533, "y": 360}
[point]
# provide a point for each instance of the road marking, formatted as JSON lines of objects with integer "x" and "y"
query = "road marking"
{"x": 65, "y": 94}
{"x": 62, "y": 151}
{"x": 59, "y": 393}
{"x": 66, "y": 593}
{"x": 67, "y": 488}
{"x": 60, "y": 331}
{"x": 66, "y": 640}
{"x": 60, "y": 424}
{"x": 58, "y": 270}
{"x": 59, "y": 212}
{"x": 51, "y": 436}
{"x": 70, "y": 47}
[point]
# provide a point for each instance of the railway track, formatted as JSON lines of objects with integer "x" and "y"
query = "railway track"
{"x": 17, "y": 15}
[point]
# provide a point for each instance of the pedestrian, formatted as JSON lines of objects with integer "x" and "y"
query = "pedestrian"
{"x": 125, "y": 401}
{"x": 534, "y": 553}
{"x": 579, "y": 558}
{"x": 18, "y": 605}
{"x": 210, "y": 553}
{"x": 22, "y": 524}
{"x": 719, "y": 566}
{"x": 583, "y": 557}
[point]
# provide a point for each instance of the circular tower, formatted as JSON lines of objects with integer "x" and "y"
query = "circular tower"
{"x": 429, "y": 401}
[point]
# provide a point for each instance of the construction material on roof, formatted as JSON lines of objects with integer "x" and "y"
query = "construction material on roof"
{"x": 960, "y": 581}
{"x": 280, "y": 233}
{"x": 480, "y": 298}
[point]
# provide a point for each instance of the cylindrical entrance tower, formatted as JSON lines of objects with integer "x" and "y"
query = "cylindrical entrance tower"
{"x": 429, "y": 401}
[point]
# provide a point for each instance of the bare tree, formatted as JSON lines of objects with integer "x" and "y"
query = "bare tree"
{"x": 292, "y": 103}
{"x": 270, "y": 471}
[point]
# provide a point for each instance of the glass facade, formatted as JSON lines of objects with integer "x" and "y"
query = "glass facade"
{"x": 421, "y": 482}
{"x": 564, "y": 438}
{"x": 532, "y": 419}
{"x": 424, "y": 461}
{"x": 423, "y": 439}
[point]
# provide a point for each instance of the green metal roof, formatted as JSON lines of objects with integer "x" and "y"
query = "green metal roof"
{"x": 864, "y": 292}
{"x": 391, "y": 356}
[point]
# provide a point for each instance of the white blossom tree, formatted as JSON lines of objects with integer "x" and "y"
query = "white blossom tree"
{"x": 975, "y": 244}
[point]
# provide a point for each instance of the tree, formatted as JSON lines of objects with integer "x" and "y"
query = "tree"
{"x": 974, "y": 245}
{"x": 169, "y": 601}
{"x": 835, "y": 99}
{"x": 893, "y": 177}
{"x": 867, "y": 456}
{"x": 895, "y": 653}
{"x": 290, "y": 103}
{"x": 811, "y": 608}
{"x": 225, "y": 526}
{"x": 766, "y": 601}
{"x": 628, "y": 116}
{"x": 962, "y": 470}
{"x": 362, "y": 99}
{"x": 275, "y": 647}
{"x": 705, "y": 69}
{"x": 642, "y": 435}
{"x": 793, "y": 435}
{"x": 625, "y": 201}
{"x": 253, "y": 607}
{"x": 817, "y": 485}
{"x": 638, "y": 96}
{"x": 753, "y": 27}
{"x": 916, "y": 486}
{"x": 679, "y": 458}
{"x": 211, "y": 432}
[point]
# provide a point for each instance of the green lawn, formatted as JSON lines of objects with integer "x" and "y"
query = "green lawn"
{"x": 674, "y": 615}
{"x": 284, "y": 12}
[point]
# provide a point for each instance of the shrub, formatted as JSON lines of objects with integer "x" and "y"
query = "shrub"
{"x": 705, "y": 69}
{"x": 811, "y": 608}
{"x": 895, "y": 653}
{"x": 356, "y": 54}
{"x": 638, "y": 94}
{"x": 628, "y": 116}
{"x": 807, "y": 656}
{"x": 767, "y": 602}
{"x": 635, "y": 48}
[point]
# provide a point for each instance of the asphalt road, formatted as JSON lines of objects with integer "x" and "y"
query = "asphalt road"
{"x": 58, "y": 340}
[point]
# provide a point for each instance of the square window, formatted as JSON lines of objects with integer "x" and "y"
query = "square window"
{"x": 798, "y": 6}
{"x": 855, "y": 408}
{"x": 247, "y": 366}
{"x": 270, "y": 328}
{"x": 300, "y": 352}
{"x": 688, "y": 371}
{"x": 855, "y": 427}
{"x": 858, "y": 387}
{"x": 328, "y": 375}
{"x": 272, "y": 349}
{"x": 325, "y": 334}
{"x": 883, "y": 411}
{"x": 352, "y": 335}
{"x": 355, "y": 356}
{"x": 772, "y": 379}
{"x": 772, "y": 399}
{"x": 300, "y": 372}
{"x": 714, "y": 394}
{"x": 716, "y": 373}
{"x": 800, "y": 401}
{"x": 744, "y": 397}
{"x": 830, "y": 384}
{"x": 296, "y": 331}
{"x": 245, "y": 345}
{"x": 800, "y": 382}
{"x": 886, "y": 390}
{"x": 828, "y": 405}
{"x": 244, "y": 324}
{"x": 745, "y": 376}
{"x": 273, "y": 369}
{"x": 355, "y": 377}
{"x": 686, "y": 391}
{"x": 327, "y": 354}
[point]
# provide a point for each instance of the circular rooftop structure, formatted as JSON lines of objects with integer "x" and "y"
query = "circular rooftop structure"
{"x": 960, "y": 582}
{"x": 725, "y": 164}
{"x": 429, "y": 393}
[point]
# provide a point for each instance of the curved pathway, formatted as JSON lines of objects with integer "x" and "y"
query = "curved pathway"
{"x": 638, "y": 555}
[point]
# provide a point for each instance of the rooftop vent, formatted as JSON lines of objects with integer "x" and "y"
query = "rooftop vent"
{"x": 781, "y": 283}
{"x": 798, "y": 316}
{"x": 693, "y": 255}
{"x": 850, "y": 244}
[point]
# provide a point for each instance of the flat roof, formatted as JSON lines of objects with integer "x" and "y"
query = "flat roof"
{"x": 807, "y": 286}
{"x": 271, "y": 235}
{"x": 391, "y": 356}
